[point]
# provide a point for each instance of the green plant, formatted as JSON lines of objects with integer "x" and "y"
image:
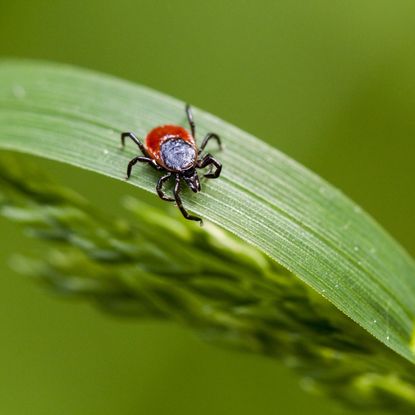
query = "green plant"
{"x": 232, "y": 293}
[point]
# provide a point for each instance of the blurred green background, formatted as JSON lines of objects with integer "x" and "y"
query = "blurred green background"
{"x": 330, "y": 83}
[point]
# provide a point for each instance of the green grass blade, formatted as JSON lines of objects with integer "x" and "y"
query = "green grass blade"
{"x": 299, "y": 220}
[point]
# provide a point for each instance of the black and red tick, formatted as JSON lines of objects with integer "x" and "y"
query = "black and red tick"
{"x": 173, "y": 150}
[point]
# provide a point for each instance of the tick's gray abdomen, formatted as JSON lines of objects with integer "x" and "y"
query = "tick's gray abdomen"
{"x": 177, "y": 154}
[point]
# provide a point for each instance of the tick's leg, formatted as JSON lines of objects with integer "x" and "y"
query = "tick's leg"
{"x": 208, "y": 160}
{"x": 159, "y": 188}
{"x": 154, "y": 164}
{"x": 190, "y": 120}
{"x": 135, "y": 139}
{"x": 208, "y": 137}
{"x": 185, "y": 213}
{"x": 134, "y": 161}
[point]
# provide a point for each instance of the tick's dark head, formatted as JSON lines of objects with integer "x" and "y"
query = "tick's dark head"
{"x": 192, "y": 179}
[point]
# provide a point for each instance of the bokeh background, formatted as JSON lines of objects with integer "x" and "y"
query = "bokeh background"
{"x": 331, "y": 83}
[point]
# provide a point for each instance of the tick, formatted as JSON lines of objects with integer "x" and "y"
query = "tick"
{"x": 172, "y": 150}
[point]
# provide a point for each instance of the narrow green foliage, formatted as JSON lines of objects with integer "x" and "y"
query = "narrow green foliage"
{"x": 228, "y": 292}
{"x": 266, "y": 199}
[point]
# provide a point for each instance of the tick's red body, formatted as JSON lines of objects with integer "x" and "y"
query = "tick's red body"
{"x": 173, "y": 150}
{"x": 157, "y": 136}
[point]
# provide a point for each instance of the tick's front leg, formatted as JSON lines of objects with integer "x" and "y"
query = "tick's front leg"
{"x": 209, "y": 137}
{"x": 159, "y": 188}
{"x": 208, "y": 160}
{"x": 135, "y": 139}
{"x": 179, "y": 203}
{"x": 190, "y": 120}
{"x": 134, "y": 161}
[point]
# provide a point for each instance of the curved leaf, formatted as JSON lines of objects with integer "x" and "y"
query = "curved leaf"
{"x": 299, "y": 220}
